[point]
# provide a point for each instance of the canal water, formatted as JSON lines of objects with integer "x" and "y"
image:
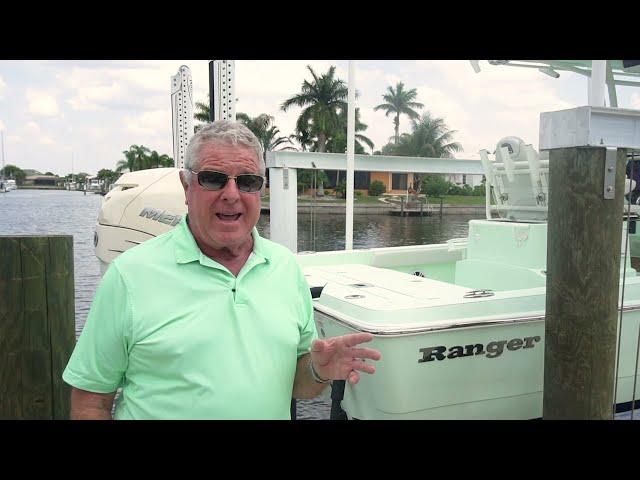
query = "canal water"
{"x": 43, "y": 212}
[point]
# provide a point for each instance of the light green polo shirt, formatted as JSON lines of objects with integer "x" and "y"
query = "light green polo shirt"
{"x": 186, "y": 339}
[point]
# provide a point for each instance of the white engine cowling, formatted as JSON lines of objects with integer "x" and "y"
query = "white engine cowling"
{"x": 141, "y": 206}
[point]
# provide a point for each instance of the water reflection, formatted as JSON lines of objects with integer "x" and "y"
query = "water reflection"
{"x": 371, "y": 231}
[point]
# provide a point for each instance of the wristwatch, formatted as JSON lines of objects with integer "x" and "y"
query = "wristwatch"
{"x": 317, "y": 378}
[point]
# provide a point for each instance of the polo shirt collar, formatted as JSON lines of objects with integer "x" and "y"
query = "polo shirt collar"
{"x": 186, "y": 249}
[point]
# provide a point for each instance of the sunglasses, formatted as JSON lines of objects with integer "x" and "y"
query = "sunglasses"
{"x": 214, "y": 181}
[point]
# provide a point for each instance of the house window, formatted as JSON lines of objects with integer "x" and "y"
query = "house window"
{"x": 398, "y": 181}
{"x": 361, "y": 180}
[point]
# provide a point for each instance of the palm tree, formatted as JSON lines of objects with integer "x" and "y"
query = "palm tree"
{"x": 136, "y": 158}
{"x": 142, "y": 158}
{"x": 399, "y": 102}
{"x": 430, "y": 137}
{"x": 303, "y": 137}
{"x": 202, "y": 112}
{"x": 267, "y": 133}
{"x": 338, "y": 141}
{"x": 156, "y": 160}
{"x": 322, "y": 99}
{"x": 129, "y": 162}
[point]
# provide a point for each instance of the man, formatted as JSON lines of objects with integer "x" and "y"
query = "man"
{"x": 208, "y": 320}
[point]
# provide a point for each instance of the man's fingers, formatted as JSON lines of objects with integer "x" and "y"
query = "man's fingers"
{"x": 354, "y": 376}
{"x": 354, "y": 339}
{"x": 366, "y": 353}
{"x": 317, "y": 345}
{"x": 363, "y": 367}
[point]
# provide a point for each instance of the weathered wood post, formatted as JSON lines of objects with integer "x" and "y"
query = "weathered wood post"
{"x": 37, "y": 325}
{"x": 585, "y": 205}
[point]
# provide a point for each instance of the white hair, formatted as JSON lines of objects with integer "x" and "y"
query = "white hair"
{"x": 222, "y": 131}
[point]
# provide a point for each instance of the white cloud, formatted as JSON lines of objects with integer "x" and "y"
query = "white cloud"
{"x": 445, "y": 105}
{"x": 42, "y": 102}
{"x": 93, "y": 134}
{"x": 119, "y": 85}
{"x": 96, "y": 97}
{"x": 14, "y": 139}
{"x": 635, "y": 100}
{"x": 154, "y": 123}
{"x": 31, "y": 129}
{"x": 2, "y": 87}
{"x": 281, "y": 78}
{"x": 47, "y": 140}
{"x": 1, "y": 125}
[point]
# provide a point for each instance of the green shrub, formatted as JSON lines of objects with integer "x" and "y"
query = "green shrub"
{"x": 455, "y": 190}
{"x": 434, "y": 185}
{"x": 479, "y": 191}
{"x": 377, "y": 188}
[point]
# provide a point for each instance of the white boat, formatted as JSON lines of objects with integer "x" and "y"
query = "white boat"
{"x": 460, "y": 325}
{"x": 10, "y": 184}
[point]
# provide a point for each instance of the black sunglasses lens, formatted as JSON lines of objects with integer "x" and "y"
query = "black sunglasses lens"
{"x": 217, "y": 180}
{"x": 249, "y": 183}
{"x": 212, "y": 180}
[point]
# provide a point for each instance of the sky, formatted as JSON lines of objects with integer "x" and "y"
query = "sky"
{"x": 56, "y": 115}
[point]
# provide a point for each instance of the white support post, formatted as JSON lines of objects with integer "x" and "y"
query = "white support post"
{"x": 283, "y": 205}
{"x": 182, "y": 113}
{"x": 597, "y": 83}
{"x": 351, "y": 115}
{"x": 224, "y": 95}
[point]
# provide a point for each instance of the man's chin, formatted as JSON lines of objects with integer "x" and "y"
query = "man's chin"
{"x": 231, "y": 238}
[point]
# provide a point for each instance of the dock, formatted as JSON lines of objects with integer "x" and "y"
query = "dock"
{"x": 410, "y": 212}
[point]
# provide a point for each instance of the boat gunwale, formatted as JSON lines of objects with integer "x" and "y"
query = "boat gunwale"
{"x": 454, "y": 324}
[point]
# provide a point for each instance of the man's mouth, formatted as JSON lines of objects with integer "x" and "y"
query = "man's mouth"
{"x": 228, "y": 217}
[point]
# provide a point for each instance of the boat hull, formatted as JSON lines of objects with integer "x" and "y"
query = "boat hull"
{"x": 479, "y": 372}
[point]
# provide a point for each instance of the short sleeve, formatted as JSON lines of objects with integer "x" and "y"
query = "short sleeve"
{"x": 308, "y": 331}
{"x": 100, "y": 357}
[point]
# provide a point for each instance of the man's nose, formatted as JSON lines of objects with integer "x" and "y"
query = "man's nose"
{"x": 230, "y": 191}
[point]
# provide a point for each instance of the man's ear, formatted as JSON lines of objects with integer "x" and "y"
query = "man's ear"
{"x": 185, "y": 185}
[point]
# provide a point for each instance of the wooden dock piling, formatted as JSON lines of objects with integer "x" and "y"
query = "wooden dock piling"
{"x": 37, "y": 325}
{"x": 583, "y": 268}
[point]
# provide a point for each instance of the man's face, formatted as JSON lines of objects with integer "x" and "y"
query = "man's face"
{"x": 223, "y": 218}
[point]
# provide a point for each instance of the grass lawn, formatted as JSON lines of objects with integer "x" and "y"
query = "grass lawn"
{"x": 333, "y": 201}
{"x": 435, "y": 201}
